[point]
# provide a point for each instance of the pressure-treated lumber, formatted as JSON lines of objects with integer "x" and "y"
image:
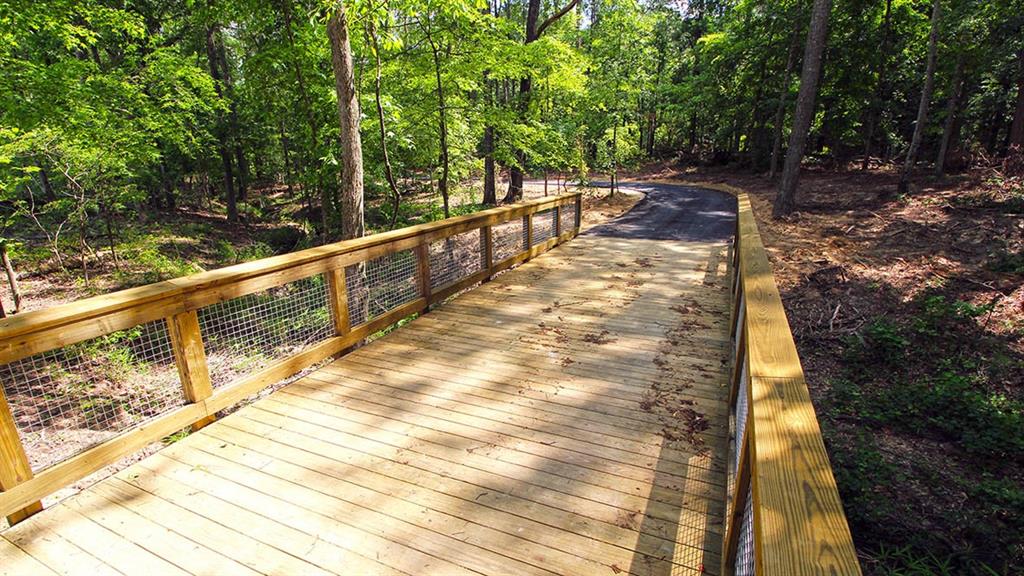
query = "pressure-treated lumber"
{"x": 14, "y": 465}
{"x": 190, "y": 356}
{"x": 799, "y": 524}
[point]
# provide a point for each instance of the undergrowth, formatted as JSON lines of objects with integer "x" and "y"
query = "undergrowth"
{"x": 932, "y": 377}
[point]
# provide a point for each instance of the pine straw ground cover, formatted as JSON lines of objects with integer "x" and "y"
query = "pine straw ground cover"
{"x": 909, "y": 316}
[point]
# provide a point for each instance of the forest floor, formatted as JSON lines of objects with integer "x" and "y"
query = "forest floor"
{"x": 908, "y": 312}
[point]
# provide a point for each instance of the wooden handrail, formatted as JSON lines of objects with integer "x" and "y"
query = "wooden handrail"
{"x": 176, "y": 302}
{"x": 798, "y": 523}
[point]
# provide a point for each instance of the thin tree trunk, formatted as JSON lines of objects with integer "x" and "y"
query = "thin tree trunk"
{"x": 286, "y": 154}
{"x": 876, "y": 101}
{"x": 442, "y": 123}
{"x": 1017, "y": 128}
{"x": 490, "y": 186}
{"x": 780, "y": 110}
{"x": 955, "y": 89}
{"x": 44, "y": 179}
{"x": 314, "y": 130}
{"x": 225, "y": 154}
{"x": 12, "y": 278}
{"x": 396, "y": 196}
{"x": 352, "y": 225}
{"x": 534, "y": 29}
{"x": 926, "y": 96}
{"x": 108, "y": 224}
{"x": 804, "y": 112}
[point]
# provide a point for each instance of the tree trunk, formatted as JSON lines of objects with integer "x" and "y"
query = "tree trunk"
{"x": 222, "y": 133}
{"x": 12, "y": 277}
{"x": 44, "y": 179}
{"x": 1017, "y": 128}
{"x": 348, "y": 117}
{"x": 615, "y": 158}
{"x": 804, "y": 112}
{"x": 533, "y": 32}
{"x": 314, "y": 131}
{"x": 442, "y": 124}
{"x": 780, "y": 109}
{"x": 242, "y": 167}
{"x": 955, "y": 89}
{"x": 490, "y": 186}
{"x": 876, "y": 101}
{"x": 396, "y": 196}
{"x": 926, "y": 96}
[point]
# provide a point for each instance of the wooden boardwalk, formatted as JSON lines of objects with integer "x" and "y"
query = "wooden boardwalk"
{"x": 568, "y": 417}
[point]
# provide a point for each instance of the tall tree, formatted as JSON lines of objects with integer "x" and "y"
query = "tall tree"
{"x": 956, "y": 87}
{"x": 534, "y": 30}
{"x": 875, "y": 104}
{"x": 926, "y": 97}
{"x": 804, "y": 112}
{"x": 351, "y": 189}
{"x": 1017, "y": 128}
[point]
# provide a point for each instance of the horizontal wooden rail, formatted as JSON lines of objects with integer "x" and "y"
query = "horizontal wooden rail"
{"x": 795, "y": 524}
{"x": 176, "y": 302}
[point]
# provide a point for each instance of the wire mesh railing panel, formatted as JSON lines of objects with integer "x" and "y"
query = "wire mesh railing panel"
{"x": 380, "y": 285}
{"x": 543, "y": 226}
{"x": 246, "y": 334}
{"x": 567, "y": 217}
{"x": 507, "y": 239}
{"x": 67, "y": 400}
{"x": 454, "y": 258}
{"x": 745, "y": 544}
{"x": 742, "y": 411}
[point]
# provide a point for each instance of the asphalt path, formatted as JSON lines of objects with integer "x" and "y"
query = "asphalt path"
{"x": 673, "y": 212}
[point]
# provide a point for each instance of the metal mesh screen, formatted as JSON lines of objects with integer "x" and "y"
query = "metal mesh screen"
{"x": 246, "y": 334}
{"x": 543, "y": 226}
{"x": 454, "y": 258}
{"x": 742, "y": 412}
{"x": 67, "y": 400}
{"x": 745, "y": 544}
{"x": 381, "y": 285}
{"x": 567, "y": 216}
{"x": 507, "y": 239}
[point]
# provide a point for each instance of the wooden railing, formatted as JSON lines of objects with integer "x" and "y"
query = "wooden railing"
{"x": 784, "y": 514}
{"x": 169, "y": 331}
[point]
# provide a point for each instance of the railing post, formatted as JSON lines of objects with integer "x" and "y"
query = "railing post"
{"x": 190, "y": 356}
{"x": 558, "y": 220}
{"x": 14, "y": 465}
{"x": 423, "y": 271}
{"x": 337, "y": 296}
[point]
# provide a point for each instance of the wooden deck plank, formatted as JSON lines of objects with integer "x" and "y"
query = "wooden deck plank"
{"x": 255, "y": 545}
{"x": 606, "y": 439}
{"x": 619, "y": 527}
{"x": 16, "y": 562}
{"x": 37, "y": 537}
{"x": 463, "y": 443}
{"x": 315, "y": 489}
{"x": 184, "y": 553}
{"x": 566, "y": 482}
{"x": 590, "y": 395}
{"x": 449, "y": 504}
{"x": 529, "y": 441}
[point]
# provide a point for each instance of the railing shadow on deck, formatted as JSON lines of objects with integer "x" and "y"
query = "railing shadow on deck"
{"x": 227, "y": 334}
